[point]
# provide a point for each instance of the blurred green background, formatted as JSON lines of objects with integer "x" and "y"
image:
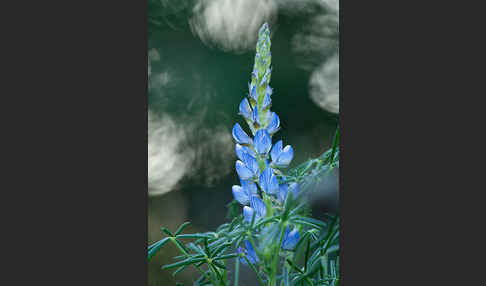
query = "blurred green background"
{"x": 200, "y": 58}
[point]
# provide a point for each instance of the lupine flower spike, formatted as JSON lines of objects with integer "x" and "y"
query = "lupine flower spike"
{"x": 253, "y": 167}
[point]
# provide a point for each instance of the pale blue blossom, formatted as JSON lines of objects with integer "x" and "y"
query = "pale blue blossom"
{"x": 249, "y": 252}
{"x": 245, "y": 108}
{"x": 281, "y": 157}
{"x": 243, "y": 193}
{"x": 274, "y": 124}
{"x": 257, "y": 206}
{"x": 263, "y": 142}
{"x": 290, "y": 238}
{"x": 240, "y": 136}
{"x": 268, "y": 181}
{"x": 240, "y": 150}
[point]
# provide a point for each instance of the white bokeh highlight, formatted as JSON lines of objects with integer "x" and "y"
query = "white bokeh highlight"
{"x": 231, "y": 25}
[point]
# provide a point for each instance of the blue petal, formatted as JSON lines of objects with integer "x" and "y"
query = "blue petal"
{"x": 285, "y": 157}
{"x": 274, "y": 124}
{"x": 253, "y": 92}
{"x": 290, "y": 239}
{"x": 255, "y": 116}
{"x": 245, "y": 109}
{"x": 273, "y": 185}
{"x": 240, "y": 250}
{"x": 243, "y": 171}
{"x": 276, "y": 150}
{"x": 259, "y": 206}
{"x": 263, "y": 142}
{"x": 240, "y": 195}
{"x": 255, "y": 73}
{"x": 267, "y": 101}
{"x": 248, "y": 213}
{"x": 268, "y": 181}
{"x": 283, "y": 190}
{"x": 252, "y": 164}
{"x": 250, "y": 253}
{"x": 240, "y": 150}
{"x": 269, "y": 90}
{"x": 249, "y": 187}
{"x": 266, "y": 76}
{"x": 240, "y": 135}
{"x": 265, "y": 178}
{"x": 294, "y": 188}
{"x": 264, "y": 79}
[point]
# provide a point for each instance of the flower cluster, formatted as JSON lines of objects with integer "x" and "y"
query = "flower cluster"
{"x": 259, "y": 163}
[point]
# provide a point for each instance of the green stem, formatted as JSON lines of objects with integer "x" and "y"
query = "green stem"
{"x": 237, "y": 270}
{"x": 218, "y": 274}
{"x": 225, "y": 273}
{"x": 254, "y": 269}
{"x": 197, "y": 267}
{"x": 273, "y": 277}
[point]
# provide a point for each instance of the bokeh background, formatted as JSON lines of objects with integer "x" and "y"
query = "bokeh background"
{"x": 200, "y": 56}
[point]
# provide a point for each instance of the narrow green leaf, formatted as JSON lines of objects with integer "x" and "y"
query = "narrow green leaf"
{"x": 156, "y": 247}
{"x": 179, "y": 230}
{"x": 237, "y": 271}
{"x": 178, "y": 270}
{"x": 219, "y": 264}
{"x": 317, "y": 223}
{"x": 184, "y": 262}
{"x": 166, "y": 231}
{"x": 226, "y": 256}
{"x": 194, "y": 235}
{"x": 306, "y": 255}
{"x": 294, "y": 266}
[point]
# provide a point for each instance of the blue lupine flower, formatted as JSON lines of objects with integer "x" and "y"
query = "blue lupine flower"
{"x": 249, "y": 186}
{"x": 268, "y": 181}
{"x": 281, "y": 157}
{"x": 253, "y": 91}
{"x": 269, "y": 90}
{"x": 274, "y": 124}
{"x": 243, "y": 193}
{"x": 266, "y": 76}
{"x": 245, "y": 108}
{"x": 263, "y": 141}
{"x": 240, "y": 135}
{"x": 240, "y": 194}
{"x": 249, "y": 252}
{"x": 276, "y": 150}
{"x": 243, "y": 172}
{"x": 248, "y": 214}
{"x": 255, "y": 116}
{"x": 294, "y": 188}
{"x": 264, "y": 79}
{"x": 267, "y": 101}
{"x": 240, "y": 150}
{"x": 290, "y": 239}
{"x": 259, "y": 206}
{"x": 255, "y": 73}
{"x": 283, "y": 190}
{"x": 252, "y": 164}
